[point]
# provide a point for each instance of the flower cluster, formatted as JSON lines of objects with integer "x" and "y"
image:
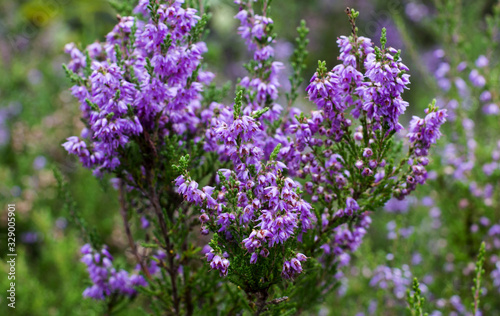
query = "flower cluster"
{"x": 253, "y": 200}
{"x": 293, "y": 267}
{"x": 424, "y": 132}
{"x": 398, "y": 279}
{"x": 144, "y": 81}
{"x": 367, "y": 80}
{"x": 337, "y": 90}
{"x": 261, "y": 85}
{"x": 218, "y": 262}
{"x": 106, "y": 280}
{"x": 495, "y": 275}
{"x": 154, "y": 267}
{"x": 263, "y": 80}
{"x": 388, "y": 79}
{"x": 346, "y": 240}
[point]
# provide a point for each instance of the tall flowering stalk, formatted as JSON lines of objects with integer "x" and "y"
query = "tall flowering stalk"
{"x": 284, "y": 196}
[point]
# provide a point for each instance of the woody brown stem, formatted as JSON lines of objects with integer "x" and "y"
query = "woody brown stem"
{"x": 261, "y": 302}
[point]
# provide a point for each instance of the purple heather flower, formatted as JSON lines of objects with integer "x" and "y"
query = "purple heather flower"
{"x": 397, "y": 279}
{"x": 416, "y": 258}
{"x": 397, "y": 206}
{"x": 351, "y": 205}
{"x": 39, "y": 162}
{"x": 462, "y": 66}
{"x": 476, "y": 79}
{"x": 491, "y": 109}
{"x": 416, "y": 11}
{"x": 359, "y": 164}
{"x": 482, "y": 61}
{"x": 406, "y": 232}
{"x": 442, "y": 70}
{"x": 144, "y": 222}
{"x": 494, "y": 230}
{"x": 106, "y": 280}
{"x": 424, "y": 132}
{"x": 273, "y": 215}
{"x": 293, "y": 267}
{"x": 495, "y": 275}
{"x": 366, "y": 172}
{"x": 456, "y": 302}
{"x": 116, "y": 108}
{"x": 367, "y": 152}
{"x": 382, "y": 98}
{"x": 218, "y": 262}
{"x": 462, "y": 87}
{"x": 29, "y": 237}
{"x": 485, "y": 96}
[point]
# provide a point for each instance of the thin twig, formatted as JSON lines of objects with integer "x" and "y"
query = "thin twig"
{"x": 172, "y": 271}
{"x": 278, "y": 300}
{"x": 131, "y": 243}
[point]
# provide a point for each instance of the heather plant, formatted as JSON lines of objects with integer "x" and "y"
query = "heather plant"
{"x": 275, "y": 198}
{"x": 436, "y": 236}
{"x": 415, "y": 300}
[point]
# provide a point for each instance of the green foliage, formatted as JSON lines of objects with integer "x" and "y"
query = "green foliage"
{"x": 257, "y": 114}
{"x": 298, "y": 62}
{"x": 214, "y": 94}
{"x": 256, "y": 277}
{"x": 75, "y": 79}
{"x": 200, "y": 31}
{"x": 416, "y": 300}
{"x": 322, "y": 70}
{"x": 275, "y": 152}
{"x": 89, "y": 234}
{"x": 479, "y": 271}
{"x": 383, "y": 38}
{"x": 123, "y": 7}
{"x": 237, "y": 104}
